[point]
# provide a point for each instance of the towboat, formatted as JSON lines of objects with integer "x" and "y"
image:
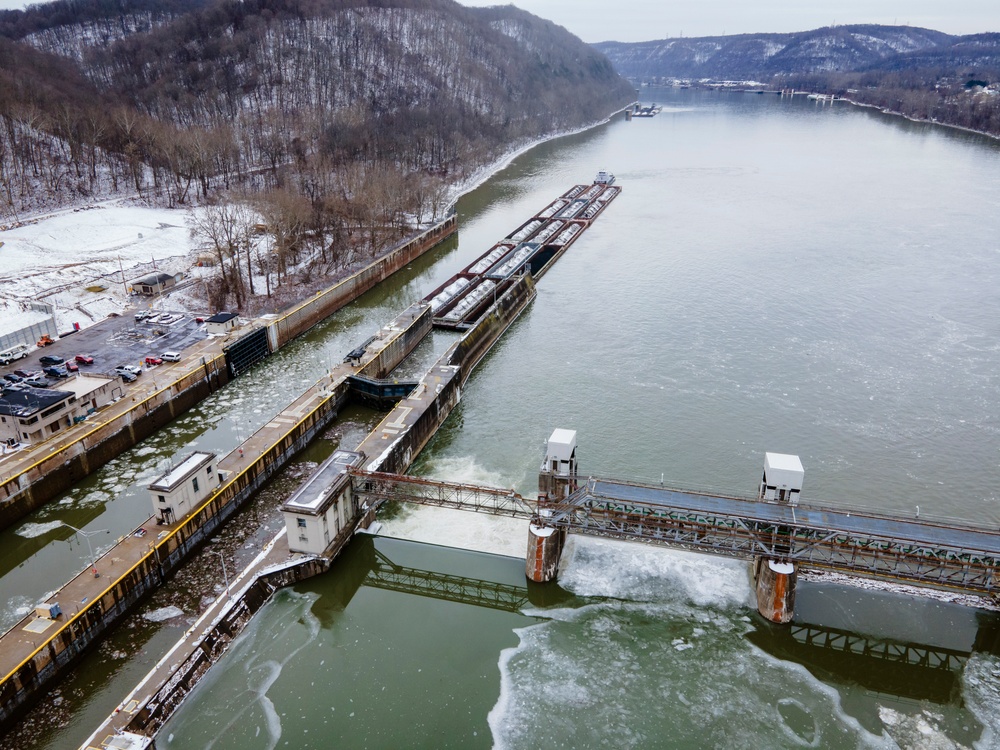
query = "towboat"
{"x": 604, "y": 178}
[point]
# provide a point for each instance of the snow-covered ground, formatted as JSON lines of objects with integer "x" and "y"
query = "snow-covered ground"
{"x": 81, "y": 260}
{"x": 75, "y": 260}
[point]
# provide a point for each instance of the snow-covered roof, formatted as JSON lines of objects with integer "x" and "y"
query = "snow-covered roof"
{"x": 155, "y": 279}
{"x": 194, "y": 462}
{"x": 323, "y": 486}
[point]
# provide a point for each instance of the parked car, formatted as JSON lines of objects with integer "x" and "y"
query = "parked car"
{"x": 126, "y": 376}
{"x": 153, "y": 361}
{"x": 12, "y": 378}
{"x": 38, "y": 381}
{"x": 25, "y": 373}
{"x": 56, "y": 372}
{"x": 84, "y": 359}
{"x": 141, "y": 315}
{"x": 128, "y": 370}
{"x": 51, "y": 359}
{"x": 71, "y": 366}
{"x": 171, "y": 356}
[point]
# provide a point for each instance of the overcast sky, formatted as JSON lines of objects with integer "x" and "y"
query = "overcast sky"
{"x": 641, "y": 20}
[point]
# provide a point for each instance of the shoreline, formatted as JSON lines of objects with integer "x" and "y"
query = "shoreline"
{"x": 921, "y": 120}
{"x": 488, "y": 171}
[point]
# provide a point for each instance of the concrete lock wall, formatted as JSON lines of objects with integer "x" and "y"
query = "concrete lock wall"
{"x": 35, "y": 485}
{"x": 475, "y": 344}
{"x": 38, "y": 483}
{"x": 402, "y": 343}
{"x": 465, "y": 355}
{"x": 214, "y": 643}
{"x": 33, "y": 675}
{"x": 326, "y": 302}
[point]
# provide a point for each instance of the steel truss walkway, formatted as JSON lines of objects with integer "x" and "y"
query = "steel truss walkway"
{"x": 385, "y": 574}
{"x": 866, "y": 544}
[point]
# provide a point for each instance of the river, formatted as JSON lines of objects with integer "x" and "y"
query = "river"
{"x": 777, "y": 275}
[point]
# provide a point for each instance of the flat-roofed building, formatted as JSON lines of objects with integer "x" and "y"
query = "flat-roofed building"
{"x": 323, "y": 506}
{"x": 182, "y": 489}
{"x": 92, "y": 392}
{"x": 30, "y": 415}
{"x": 221, "y": 323}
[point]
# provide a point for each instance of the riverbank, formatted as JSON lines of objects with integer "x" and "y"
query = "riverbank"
{"x": 481, "y": 175}
{"x": 922, "y": 120}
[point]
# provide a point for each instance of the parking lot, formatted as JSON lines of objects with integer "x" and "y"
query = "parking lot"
{"x": 119, "y": 341}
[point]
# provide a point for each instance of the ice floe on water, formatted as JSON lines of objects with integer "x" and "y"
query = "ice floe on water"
{"x": 981, "y": 691}
{"x": 31, "y": 530}
{"x": 920, "y": 731}
{"x": 626, "y": 675}
{"x": 163, "y": 614}
{"x": 661, "y": 652}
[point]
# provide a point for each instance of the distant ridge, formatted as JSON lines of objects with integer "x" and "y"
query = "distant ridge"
{"x": 826, "y": 50}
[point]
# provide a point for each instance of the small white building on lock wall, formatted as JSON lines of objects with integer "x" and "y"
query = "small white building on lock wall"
{"x": 184, "y": 487}
{"x": 323, "y": 506}
{"x": 782, "y": 480}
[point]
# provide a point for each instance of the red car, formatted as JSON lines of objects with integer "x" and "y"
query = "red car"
{"x": 71, "y": 366}
{"x": 151, "y": 361}
{"x": 84, "y": 359}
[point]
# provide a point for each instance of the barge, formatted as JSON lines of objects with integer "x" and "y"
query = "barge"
{"x": 460, "y": 302}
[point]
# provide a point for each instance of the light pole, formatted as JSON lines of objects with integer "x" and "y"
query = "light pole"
{"x": 86, "y": 535}
{"x": 225, "y": 577}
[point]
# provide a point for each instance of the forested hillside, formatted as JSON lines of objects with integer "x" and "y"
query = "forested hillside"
{"x": 328, "y": 102}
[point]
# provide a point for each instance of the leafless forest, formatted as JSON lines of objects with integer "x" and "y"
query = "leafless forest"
{"x": 337, "y": 126}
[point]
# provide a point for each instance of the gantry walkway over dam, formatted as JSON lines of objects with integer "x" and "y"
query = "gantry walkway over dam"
{"x": 863, "y": 544}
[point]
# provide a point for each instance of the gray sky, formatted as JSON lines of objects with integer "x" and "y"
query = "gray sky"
{"x": 641, "y": 20}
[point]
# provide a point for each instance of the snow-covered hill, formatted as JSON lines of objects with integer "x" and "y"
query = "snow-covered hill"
{"x": 760, "y": 56}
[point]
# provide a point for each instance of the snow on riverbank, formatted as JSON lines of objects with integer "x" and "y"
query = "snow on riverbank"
{"x": 484, "y": 173}
{"x": 75, "y": 260}
{"x": 81, "y": 260}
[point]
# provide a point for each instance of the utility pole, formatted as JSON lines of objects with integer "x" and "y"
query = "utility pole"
{"x": 225, "y": 576}
{"x": 86, "y": 535}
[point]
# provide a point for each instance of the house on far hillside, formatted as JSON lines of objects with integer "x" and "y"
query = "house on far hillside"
{"x": 156, "y": 283}
{"x": 222, "y": 323}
